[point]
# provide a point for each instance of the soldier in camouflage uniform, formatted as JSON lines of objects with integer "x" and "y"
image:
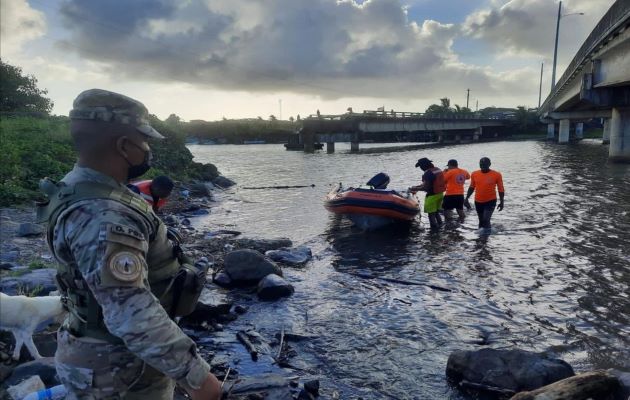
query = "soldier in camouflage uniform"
{"x": 117, "y": 266}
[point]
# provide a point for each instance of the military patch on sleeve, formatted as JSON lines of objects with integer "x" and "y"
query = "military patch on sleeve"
{"x": 125, "y": 266}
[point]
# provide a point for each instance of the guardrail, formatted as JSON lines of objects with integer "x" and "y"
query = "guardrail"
{"x": 408, "y": 115}
{"x": 618, "y": 14}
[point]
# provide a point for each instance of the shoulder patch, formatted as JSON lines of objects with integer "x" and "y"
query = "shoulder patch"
{"x": 125, "y": 266}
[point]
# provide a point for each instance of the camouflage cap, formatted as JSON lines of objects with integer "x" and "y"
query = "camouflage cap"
{"x": 103, "y": 105}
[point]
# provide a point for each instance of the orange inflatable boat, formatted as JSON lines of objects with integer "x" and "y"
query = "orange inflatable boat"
{"x": 372, "y": 208}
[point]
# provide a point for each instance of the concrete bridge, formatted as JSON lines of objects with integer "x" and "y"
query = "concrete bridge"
{"x": 379, "y": 126}
{"x": 596, "y": 84}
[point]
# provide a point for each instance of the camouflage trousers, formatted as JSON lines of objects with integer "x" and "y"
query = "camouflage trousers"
{"x": 99, "y": 370}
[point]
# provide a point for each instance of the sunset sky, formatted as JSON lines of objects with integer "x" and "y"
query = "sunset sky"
{"x": 241, "y": 58}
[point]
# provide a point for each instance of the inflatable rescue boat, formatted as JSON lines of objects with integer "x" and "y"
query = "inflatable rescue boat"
{"x": 374, "y": 207}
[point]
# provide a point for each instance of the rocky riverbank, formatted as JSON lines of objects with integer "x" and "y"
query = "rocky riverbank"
{"x": 251, "y": 278}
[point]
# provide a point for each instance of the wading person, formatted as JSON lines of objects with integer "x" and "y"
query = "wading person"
{"x": 121, "y": 275}
{"x": 433, "y": 184}
{"x": 154, "y": 191}
{"x": 485, "y": 183}
{"x": 455, "y": 178}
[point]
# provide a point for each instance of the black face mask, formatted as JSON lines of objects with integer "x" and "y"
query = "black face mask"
{"x": 135, "y": 171}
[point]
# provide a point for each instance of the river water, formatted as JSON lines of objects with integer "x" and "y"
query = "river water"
{"x": 553, "y": 276}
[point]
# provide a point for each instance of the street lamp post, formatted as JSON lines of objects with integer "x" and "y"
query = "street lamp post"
{"x": 555, "y": 50}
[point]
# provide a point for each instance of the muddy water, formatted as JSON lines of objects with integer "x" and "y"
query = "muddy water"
{"x": 554, "y": 275}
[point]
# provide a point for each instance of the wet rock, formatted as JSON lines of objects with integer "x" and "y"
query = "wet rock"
{"x": 28, "y": 229}
{"x": 290, "y": 255}
{"x": 9, "y": 256}
{"x": 39, "y": 281}
{"x": 210, "y": 306}
{"x": 169, "y": 220}
{"x": 258, "y": 383}
{"x": 223, "y": 182}
{"x": 222, "y": 279}
{"x": 312, "y": 387}
{"x": 239, "y": 309}
{"x": 22, "y": 389}
{"x": 590, "y": 385}
{"x": 199, "y": 190}
{"x": 263, "y": 245}
{"x": 7, "y": 266}
{"x": 197, "y": 213}
{"x": 44, "y": 368}
{"x": 514, "y": 370}
{"x": 185, "y": 222}
{"x": 207, "y": 172}
{"x": 247, "y": 266}
{"x": 273, "y": 287}
{"x": 305, "y": 395}
{"x": 624, "y": 383}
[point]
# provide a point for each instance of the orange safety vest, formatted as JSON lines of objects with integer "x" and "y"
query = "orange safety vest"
{"x": 145, "y": 192}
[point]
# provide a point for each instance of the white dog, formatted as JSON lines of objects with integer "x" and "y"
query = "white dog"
{"x": 22, "y": 316}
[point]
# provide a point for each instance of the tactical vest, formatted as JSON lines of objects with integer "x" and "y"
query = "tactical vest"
{"x": 163, "y": 258}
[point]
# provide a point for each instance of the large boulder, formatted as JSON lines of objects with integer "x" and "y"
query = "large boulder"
{"x": 290, "y": 255}
{"x": 223, "y": 182}
{"x": 39, "y": 282}
{"x": 199, "y": 189}
{"x": 514, "y": 370}
{"x": 262, "y": 245}
{"x": 273, "y": 287}
{"x": 248, "y": 266}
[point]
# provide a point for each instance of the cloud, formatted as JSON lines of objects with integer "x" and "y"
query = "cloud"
{"x": 328, "y": 48}
{"x": 527, "y": 27}
{"x": 19, "y": 23}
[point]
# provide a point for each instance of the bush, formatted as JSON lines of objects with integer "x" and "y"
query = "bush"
{"x": 33, "y": 148}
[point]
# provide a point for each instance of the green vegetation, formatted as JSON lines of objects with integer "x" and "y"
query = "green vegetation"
{"x": 236, "y": 131}
{"x": 35, "y": 145}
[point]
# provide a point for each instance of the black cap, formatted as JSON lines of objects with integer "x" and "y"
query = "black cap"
{"x": 452, "y": 162}
{"x": 423, "y": 161}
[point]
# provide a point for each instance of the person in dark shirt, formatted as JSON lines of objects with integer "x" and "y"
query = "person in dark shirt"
{"x": 434, "y": 185}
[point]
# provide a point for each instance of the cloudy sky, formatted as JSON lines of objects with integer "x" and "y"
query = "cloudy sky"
{"x": 208, "y": 59}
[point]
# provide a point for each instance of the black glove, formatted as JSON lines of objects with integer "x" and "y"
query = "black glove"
{"x": 500, "y": 206}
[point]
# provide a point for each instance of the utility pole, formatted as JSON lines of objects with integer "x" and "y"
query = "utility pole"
{"x": 467, "y": 97}
{"x": 477, "y": 106}
{"x": 555, "y": 50}
{"x": 280, "y": 107}
{"x": 540, "y": 87}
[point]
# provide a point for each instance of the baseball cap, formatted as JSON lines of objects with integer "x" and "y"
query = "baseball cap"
{"x": 106, "y": 106}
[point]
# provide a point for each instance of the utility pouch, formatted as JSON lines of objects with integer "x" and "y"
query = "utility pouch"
{"x": 187, "y": 286}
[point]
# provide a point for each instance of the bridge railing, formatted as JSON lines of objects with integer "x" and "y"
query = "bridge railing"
{"x": 389, "y": 115}
{"x": 618, "y": 13}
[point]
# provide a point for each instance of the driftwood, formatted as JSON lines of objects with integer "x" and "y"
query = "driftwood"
{"x": 487, "y": 388}
{"x": 251, "y": 349}
{"x": 402, "y": 282}
{"x": 596, "y": 385}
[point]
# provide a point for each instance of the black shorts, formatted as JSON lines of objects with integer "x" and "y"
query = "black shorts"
{"x": 453, "y": 201}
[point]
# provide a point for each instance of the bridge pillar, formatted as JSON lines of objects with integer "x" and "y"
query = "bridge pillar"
{"x": 579, "y": 131}
{"x": 458, "y": 138}
{"x": 477, "y": 134}
{"x": 563, "y": 136}
{"x": 606, "y": 133}
{"x": 354, "y": 147}
{"x": 619, "y": 150}
{"x": 551, "y": 131}
{"x": 330, "y": 147}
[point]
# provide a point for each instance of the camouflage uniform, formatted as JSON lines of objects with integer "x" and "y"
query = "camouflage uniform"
{"x": 114, "y": 251}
